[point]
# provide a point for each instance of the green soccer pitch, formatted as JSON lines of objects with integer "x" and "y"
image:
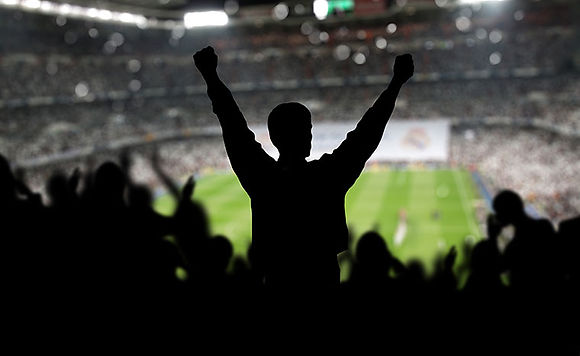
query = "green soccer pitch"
{"x": 438, "y": 204}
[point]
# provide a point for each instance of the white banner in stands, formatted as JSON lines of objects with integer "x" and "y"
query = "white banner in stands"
{"x": 403, "y": 141}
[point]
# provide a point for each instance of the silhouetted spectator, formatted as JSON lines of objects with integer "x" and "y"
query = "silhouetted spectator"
{"x": 569, "y": 249}
{"x": 375, "y": 267}
{"x": 484, "y": 279}
{"x": 298, "y": 218}
{"x": 529, "y": 256}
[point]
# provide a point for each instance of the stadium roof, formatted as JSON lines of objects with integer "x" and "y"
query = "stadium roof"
{"x": 165, "y": 4}
{"x": 200, "y": 13}
{"x": 159, "y": 9}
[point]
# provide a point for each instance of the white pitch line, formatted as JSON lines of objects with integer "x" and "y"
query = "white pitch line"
{"x": 464, "y": 203}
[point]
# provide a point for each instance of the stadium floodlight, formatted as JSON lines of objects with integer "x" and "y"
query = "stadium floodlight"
{"x": 46, "y": 6}
{"x": 31, "y": 4}
{"x": 126, "y": 17}
{"x": 105, "y": 15}
{"x": 381, "y": 42}
{"x": 76, "y": 10}
{"x": 205, "y": 18}
{"x": 10, "y": 2}
{"x": 478, "y": 1}
{"x": 320, "y": 9}
{"x": 280, "y": 11}
{"x": 64, "y": 9}
{"x": 92, "y": 12}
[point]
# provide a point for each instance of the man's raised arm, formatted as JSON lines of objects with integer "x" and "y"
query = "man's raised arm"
{"x": 243, "y": 150}
{"x": 361, "y": 142}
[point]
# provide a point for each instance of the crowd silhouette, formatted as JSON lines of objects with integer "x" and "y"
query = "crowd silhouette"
{"x": 98, "y": 230}
{"x": 98, "y": 236}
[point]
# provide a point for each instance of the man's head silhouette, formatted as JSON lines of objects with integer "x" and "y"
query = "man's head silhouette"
{"x": 508, "y": 207}
{"x": 290, "y": 127}
{"x": 109, "y": 182}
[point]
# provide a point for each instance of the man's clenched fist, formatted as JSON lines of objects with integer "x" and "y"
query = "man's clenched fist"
{"x": 206, "y": 60}
{"x": 404, "y": 68}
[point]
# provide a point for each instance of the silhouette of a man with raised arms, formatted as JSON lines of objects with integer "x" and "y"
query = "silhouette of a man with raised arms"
{"x": 298, "y": 207}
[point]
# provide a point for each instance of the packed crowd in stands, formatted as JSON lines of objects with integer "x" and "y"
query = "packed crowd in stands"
{"x": 543, "y": 167}
{"x": 58, "y": 128}
{"x": 98, "y": 96}
{"x": 62, "y": 55}
{"x": 96, "y": 235}
{"x": 57, "y": 76}
{"x": 499, "y": 153}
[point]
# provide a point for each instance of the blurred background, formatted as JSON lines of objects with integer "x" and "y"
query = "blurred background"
{"x": 493, "y": 103}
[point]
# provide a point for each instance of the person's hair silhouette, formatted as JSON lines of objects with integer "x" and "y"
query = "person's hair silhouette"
{"x": 509, "y": 207}
{"x": 528, "y": 256}
{"x": 290, "y": 128}
{"x": 298, "y": 216}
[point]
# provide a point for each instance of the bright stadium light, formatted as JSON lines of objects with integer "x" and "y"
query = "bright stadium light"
{"x": 495, "y": 58}
{"x": 82, "y": 89}
{"x": 76, "y": 10}
{"x": 381, "y": 42}
{"x": 31, "y": 4}
{"x": 359, "y": 58}
{"x": 280, "y": 11}
{"x": 320, "y": 9}
{"x": 9, "y": 2}
{"x": 205, "y": 18}
{"x": 105, "y": 15}
{"x": 46, "y": 6}
{"x": 463, "y": 23}
{"x": 64, "y": 10}
{"x": 92, "y": 12}
{"x": 342, "y": 52}
{"x": 478, "y": 1}
{"x": 126, "y": 17}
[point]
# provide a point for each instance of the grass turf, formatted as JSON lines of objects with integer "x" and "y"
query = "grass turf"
{"x": 438, "y": 203}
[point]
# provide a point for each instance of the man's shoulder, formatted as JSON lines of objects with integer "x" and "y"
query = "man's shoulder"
{"x": 540, "y": 227}
{"x": 545, "y": 223}
{"x": 570, "y": 224}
